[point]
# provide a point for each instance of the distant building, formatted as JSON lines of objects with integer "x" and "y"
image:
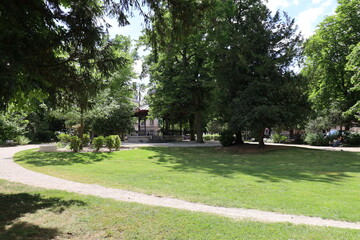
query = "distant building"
{"x": 145, "y": 126}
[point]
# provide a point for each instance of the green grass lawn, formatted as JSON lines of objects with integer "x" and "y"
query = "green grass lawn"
{"x": 32, "y": 213}
{"x": 296, "y": 181}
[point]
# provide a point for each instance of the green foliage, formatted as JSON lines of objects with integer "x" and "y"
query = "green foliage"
{"x": 33, "y": 29}
{"x": 227, "y": 138}
{"x": 110, "y": 142}
{"x": 331, "y": 60}
{"x": 353, "y": 139}
{"x": 85, "y": 140}
{"x": 117, "y": 142}
{"x": 278, "y": 138}
{"x": 180, "y": 71}
{"x": 64, "y": 138}
{"x": 117, "y": 120}
{"x": 353, "y": 67}
{"x": 255, "y": 86}
{"x": 209, "y": 137}
{"x": 22, "y": 140}
{"x": 12, "y": 124}
{"x": 318, "y": 139}
{"x": 75, "y": 143}
{"x": 98, "y": 142}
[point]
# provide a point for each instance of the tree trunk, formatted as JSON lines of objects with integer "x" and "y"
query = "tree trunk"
{"x": 261, "y": 138}
{"x": 81, "y": 128}
{"x": 192, "y": 132}
{"x": 145, "y": 126}
{"x": 198, "y": 127}
{"x": 238, "y": 138}
{"x": 181, "y": 128}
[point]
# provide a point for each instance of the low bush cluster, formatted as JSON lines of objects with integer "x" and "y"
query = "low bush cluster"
{"x": 209, "y": 137}
{"x": 22, "y": 140}
{"x": 113, "y": 141}
{"x": 318, "y": 139}
{"x": 227, "y": 138}
{"x": 75, "y": 143}
{"x": 278, "y": 138}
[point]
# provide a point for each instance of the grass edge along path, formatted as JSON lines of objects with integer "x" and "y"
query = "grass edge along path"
{"x": 13, "y": 172}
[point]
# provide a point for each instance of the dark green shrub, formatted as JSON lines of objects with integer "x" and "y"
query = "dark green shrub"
{"x": 98, "y": 142}
{"x": 44, "y": 136}
{"x": 278, "y": 138}
{"x": 353, "y": 139}
{"x": 117, "y": 142}
{"x": 110, "y": 142}
{"x": 75, "y": 143}
{"x": 85, "y": 140}
{"x": 227, "y": 138}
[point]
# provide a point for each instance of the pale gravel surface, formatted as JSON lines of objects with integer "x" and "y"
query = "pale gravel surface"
{"x": 13, "y": 172}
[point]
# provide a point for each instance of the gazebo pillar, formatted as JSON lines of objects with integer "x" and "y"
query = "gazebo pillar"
{"x": 145, "y": 125}
{"x": 139, "y": 119}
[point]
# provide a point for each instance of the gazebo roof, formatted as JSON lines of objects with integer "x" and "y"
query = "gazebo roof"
{"x": 142, "y": 111}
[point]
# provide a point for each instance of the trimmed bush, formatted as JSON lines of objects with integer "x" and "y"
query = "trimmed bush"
{"x": 227, "y": 138}
{"x": 22, "y": 140}
{"x": 75, "y": 143}
{"x": 64, "y": 138}
{"x": 278, "y": 138}
{"x": 110, "y": 142}
{"x": 85, "y": 140}
{"x": 98, "y": 142}
{"x": 117, "y": 142}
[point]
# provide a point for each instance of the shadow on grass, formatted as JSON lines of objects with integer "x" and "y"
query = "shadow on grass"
{"x": 60, "y": 158}
{"x": 14, "y": 206}
{"x": 287, "y": 164}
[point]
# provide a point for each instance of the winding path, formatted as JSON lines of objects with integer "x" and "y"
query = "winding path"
{"x": 13, "y": 172}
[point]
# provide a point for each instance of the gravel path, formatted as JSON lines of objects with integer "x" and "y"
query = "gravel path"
{"x": 13, "y": 172}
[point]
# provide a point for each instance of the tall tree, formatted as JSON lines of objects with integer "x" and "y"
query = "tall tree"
{"x": 254, "y": 52}
{"x": 105, "y": 77}
{"x": 181, "y": 71}
{"x": 326, "y": 59}
{"x": 353, "y": 66}
{"x": 33, "y": 34}
{"x": 233, "y": 32}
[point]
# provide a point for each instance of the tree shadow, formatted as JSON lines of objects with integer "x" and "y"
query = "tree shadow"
{"x": 14, "y": 206}
{"x": 276, "y": 165}
{"x": 61, "y": 158}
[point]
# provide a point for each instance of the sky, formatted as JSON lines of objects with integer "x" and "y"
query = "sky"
{"x": 307, "y": 14}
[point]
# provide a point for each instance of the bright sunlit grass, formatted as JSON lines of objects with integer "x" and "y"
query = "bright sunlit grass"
{"x": 32, "y": 213}
{"x": 297, "y": 181}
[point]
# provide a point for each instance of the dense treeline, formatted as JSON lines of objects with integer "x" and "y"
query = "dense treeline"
{"x": 215, "y": 64}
